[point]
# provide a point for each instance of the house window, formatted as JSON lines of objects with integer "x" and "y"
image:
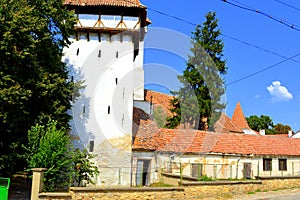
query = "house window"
{"x": 196, "y": 170}
{"x": 267, "y": 164}
{"x": 282, "y": 164}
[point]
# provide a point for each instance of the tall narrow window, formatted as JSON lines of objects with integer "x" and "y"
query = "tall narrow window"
{"x": 282, "y": 164}
{"x": 267, "y": 164}
{"x": 83, "y": 109}
{"x": 108, "y": 110}
{"x": 99, "y": 54}
{"x": 77, "y": 52}
{"x": 91, "y": 149}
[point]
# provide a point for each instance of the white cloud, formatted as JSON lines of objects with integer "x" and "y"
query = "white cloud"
{"x": 279, "y": 92}
{"x": 257, "y": 96}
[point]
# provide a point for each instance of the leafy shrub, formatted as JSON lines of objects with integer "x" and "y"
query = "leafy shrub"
{"x": 51, "y": 148}
{"x": 204, "y": 177}
{"x": 84, "y": 168}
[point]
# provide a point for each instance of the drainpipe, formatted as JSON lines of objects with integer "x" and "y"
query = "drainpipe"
{"x": 237, "y": 168}
{"x": 131, "y": 167}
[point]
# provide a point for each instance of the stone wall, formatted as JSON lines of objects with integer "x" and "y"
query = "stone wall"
{"x": 189, "y": 190}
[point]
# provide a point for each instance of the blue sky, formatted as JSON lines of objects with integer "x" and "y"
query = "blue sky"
{"x": 273, "y": 88}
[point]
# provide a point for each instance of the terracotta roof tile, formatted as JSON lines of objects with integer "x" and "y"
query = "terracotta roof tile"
{"x": 225, "y": 125}
{"x": 190, "y": 141}
{"x": 144, "y": 128}
{"x": 159, "y": 99}
{"x": 238, "y": 117}
{"x": 120, "y": 3}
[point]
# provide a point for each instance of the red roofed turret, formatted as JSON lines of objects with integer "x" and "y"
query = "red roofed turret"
{"x": 238, "y": 117}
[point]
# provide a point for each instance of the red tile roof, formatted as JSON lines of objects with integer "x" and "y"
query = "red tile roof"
{"x": 190, "y": 141}
{"x": 225, "y": 125}
{"x": 144, "y": 128}
{"x": 238, "y": 117}
{"x": 120, "y": 3}
{"x": 158, "y": 98}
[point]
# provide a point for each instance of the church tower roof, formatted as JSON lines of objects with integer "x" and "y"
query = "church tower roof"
{"x": 120, "y": 3}
{"x": 238, "y": 117}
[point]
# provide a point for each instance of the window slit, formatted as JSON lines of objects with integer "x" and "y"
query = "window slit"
{"x": 91, "y": 146}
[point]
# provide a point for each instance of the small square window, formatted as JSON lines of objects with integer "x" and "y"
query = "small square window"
{"x": 267, "y": 164}
{"x": 282, "y": 164}
{"x": 196, "y": 170}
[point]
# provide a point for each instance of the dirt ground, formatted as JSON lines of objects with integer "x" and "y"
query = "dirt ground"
{"x": 284, "y": 194}
{"x": 19, "y": 188}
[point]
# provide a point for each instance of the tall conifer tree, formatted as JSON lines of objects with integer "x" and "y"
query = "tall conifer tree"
{"x": 197, "y": 104}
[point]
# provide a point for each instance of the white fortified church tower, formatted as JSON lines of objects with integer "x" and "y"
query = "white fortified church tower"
{"x": 107, "y": 54}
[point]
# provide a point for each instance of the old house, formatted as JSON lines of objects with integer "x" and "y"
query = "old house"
{"x": 229, "y": 153}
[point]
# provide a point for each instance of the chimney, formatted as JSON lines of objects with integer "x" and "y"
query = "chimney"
{"x": 262, "y": 132}
{"x": 290, "y": 133}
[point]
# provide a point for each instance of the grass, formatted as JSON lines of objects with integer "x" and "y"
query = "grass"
{"x": 160, "y": 184}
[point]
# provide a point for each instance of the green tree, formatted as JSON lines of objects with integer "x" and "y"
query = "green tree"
{"x": 197, "y": 104}
{"x": 33, "y": 80}
{"x": 50, "y": 147}
{"x": 159, "y": 116}
{"x": 282, "y": 129}
{"x": 262, "y": 122}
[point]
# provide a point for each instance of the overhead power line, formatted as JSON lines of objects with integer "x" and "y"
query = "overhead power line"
{"x": 288, "y": 5}
{"x": 227, "y": 36}
{"x": 248, "y": 8}
{"x": 241, "y": 41}
{"x": 263, "y": 70}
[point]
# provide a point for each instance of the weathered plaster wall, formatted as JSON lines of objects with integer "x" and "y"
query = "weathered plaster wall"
{"x": 102, "y": 112}
{"x": 224, "y": 166}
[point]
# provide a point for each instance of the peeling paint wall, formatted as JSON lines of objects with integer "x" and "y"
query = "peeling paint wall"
{"x": 225, "y": 166}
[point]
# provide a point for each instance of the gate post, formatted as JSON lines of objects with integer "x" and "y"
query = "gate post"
{"x": 37, "y": 182}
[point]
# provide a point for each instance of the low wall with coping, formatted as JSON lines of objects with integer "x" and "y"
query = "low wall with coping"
{"x": 189, "y": 189}
{"x": 123, "y": 193}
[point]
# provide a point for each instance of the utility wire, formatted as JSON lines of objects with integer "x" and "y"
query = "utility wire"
{"x": 248, "y": 8}
{"x": 238, "y": 40}
{"x": 288, "y": 5}
{"x": 230, "y": 37}
{"x": 263, "y": 70}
